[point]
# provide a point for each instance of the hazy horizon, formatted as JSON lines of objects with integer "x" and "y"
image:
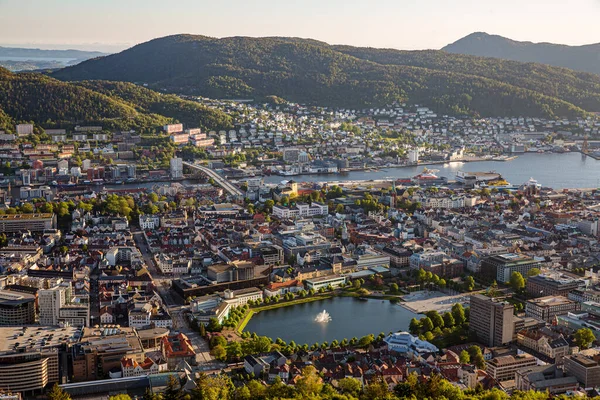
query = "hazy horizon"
{"x": 113, "y": 25}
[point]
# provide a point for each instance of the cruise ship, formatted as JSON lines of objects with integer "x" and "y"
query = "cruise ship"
{"x": 428, "y": 178}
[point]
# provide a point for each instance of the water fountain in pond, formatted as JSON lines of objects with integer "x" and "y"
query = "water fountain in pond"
{"x": 323, "y": 316}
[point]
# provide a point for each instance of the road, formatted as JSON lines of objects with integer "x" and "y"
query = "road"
{"x": 176, "y": 310}
{"x": 224, "y": 183}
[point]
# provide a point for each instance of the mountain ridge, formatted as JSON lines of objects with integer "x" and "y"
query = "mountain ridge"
{"x": 584, "y": 58}
{"x": 313, "y": 72}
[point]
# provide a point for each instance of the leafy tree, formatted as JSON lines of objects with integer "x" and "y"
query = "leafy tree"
{"x": 458, "y": 312}
{"x": 584, "y": 338}
{"x": 436, "y": 319}
{"x": 377, "y": 389}
{"x": 469, "y": 283}
{"x": 517, "y": 282}
{"x": 217, "y": 340}
{"x": 214, "y": 325}
{"x": 464, "y": 357}
{"x": 394, "y": 288}
{"x": 310, "y": 383}
{"x": 477, "y": 357}
{"x": 350, "y": 386}
{"x": 414, "y": 327}
{"x": 219, "y": 352}
{"x": 122, "y": 396}
{"x": 365, "y": 341}
{"x": 27, "y": 208}
{"x": 56, "y": 393}
{"x": 173, "y": 390}
{"x": 149, "y": 395}
{"x": 533, "y": 272}
{"x": 448, "y": 320}
{"x": 211, "y": 388}
{"x": 426, "y": 324}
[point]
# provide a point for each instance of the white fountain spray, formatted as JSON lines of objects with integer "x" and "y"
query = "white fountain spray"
{"x": 323, "y": 317}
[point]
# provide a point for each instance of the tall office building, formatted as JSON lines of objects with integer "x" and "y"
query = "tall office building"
{"x": 492, "y": 321}
{"x": 176, "y": 167}
{"x": 50, "y": 301}
{"x": 58, "y": 307}
{"x": 501, "y": 266}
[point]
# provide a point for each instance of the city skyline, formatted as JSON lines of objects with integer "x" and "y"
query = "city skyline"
{"x": 409, "y": 25}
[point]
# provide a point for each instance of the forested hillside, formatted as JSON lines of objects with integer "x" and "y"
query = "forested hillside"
{"x": 52, "y": 103}
{"x": 313, "y": 72}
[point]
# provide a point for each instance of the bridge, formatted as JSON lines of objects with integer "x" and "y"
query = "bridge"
{"x": 219, "y": 180}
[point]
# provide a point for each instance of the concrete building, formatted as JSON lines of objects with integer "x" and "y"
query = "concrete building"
{"x": 399, "y": 257}
{"x": 58, "y": 308}
{"x": 492, "y": 321}
{"x": 438, "y": 263}
{"x": 242, "y": 296}
{"x": 235, "y": 271}
{"x": 576, "y": 321}
{"x": 176, "y": 165}
{"x": 30, "y": 222}
{"x": 504, "y": 368}
{"x": 585, "y": 369}
{"x": 24, "y": 129}
{"x": 29, "y": 357}
{"x": 101, "y": 349}
{"x": 300, "y": 210}
{"x": 291, "y": 155}
{"x": 173, "y": 128}
{"x": 500, "y": 267}
{"x": 16, "y": 309}
{"x": 413, "y": 156}
{"x": 323, "y": 282}
{"x": 545, "y": 378}
{"x": 545, "y": 342}
{"x": 149, "y": 221}
{"x": 50, "y": 301}
{"x": 548, "y": 307}
{"x": 552, "y": 284}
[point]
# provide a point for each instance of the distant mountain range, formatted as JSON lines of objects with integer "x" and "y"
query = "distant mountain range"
{"x": 580, "y": 58}
{"x": 313, "y": 72}
{"x": 33, "y": 97}
{"x": 24, "y": 59}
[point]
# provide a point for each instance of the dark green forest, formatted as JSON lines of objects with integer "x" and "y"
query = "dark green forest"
{"x": 48, "y": 102}
{"x": 312, "y": 72}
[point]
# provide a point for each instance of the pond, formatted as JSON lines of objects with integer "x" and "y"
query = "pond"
{"x": 350, "y": 317}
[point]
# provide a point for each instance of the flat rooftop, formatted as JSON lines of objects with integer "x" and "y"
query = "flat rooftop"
{"x": 11, "y": 297}
{"x": 550, "y": 301}
{"x": 18, "y": 217}
{"x": 324, "y": 279}
{"x": 34, "y": 338}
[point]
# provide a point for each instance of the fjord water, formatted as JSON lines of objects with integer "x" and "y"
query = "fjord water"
{"x": 350, "y": 317}
{"x": 558, "y": 171}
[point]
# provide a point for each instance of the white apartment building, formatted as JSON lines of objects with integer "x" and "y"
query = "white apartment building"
{"x": 50, "y": 301}
{"x": 176, "y": 164}
{"x": 149, "y": 221}
{"x": 300, "y": 210}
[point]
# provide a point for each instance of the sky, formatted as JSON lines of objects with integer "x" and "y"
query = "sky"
{"x": 113, "y": 25}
